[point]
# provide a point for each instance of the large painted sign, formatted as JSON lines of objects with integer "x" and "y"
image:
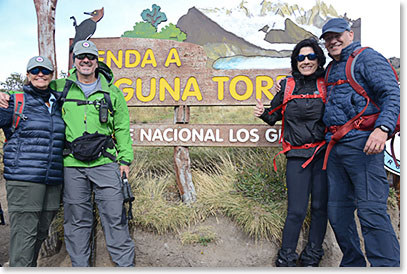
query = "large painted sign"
{"x": 154, "y": 72}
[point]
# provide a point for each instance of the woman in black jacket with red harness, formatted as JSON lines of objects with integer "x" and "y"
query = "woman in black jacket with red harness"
{"x": 300, "y": 106}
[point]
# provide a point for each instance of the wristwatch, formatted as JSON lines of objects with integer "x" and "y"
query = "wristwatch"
{"x": 385, "y": 129}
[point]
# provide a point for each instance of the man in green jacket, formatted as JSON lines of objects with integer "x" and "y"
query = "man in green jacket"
{"x": 97, "y": 154}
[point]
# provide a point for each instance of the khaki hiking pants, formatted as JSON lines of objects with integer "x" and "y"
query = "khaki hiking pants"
{"x": 105, "y": 181}
{"x": 31, "y": 207}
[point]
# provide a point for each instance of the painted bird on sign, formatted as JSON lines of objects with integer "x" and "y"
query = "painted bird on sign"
{"x": 87, "y": 28}
{"x": 265, "y": 28}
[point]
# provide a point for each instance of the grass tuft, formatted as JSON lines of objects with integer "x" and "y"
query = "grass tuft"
{"x": 201, "y": 235}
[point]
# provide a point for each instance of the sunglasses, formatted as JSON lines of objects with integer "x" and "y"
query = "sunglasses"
{"x": 311, "y": 56}
{"x": 87, "y": 55}
{"x": 37, "y": 70}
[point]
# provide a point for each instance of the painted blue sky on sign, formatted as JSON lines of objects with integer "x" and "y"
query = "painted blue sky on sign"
{"x": 380, "y": 24}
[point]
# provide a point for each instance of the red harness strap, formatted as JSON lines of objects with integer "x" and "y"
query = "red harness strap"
{"x": 18, "y": 109}
{"x": 288, "y": 96}
{"x": 341, "y": 131}
{"x": 287, "y": 147}
{"x": 358, "y": 122}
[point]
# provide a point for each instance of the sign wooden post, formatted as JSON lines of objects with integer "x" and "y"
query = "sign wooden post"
{"x": 182, "y": 162}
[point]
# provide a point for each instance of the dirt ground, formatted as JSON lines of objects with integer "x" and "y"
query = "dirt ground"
{"x": 232, "y": 248}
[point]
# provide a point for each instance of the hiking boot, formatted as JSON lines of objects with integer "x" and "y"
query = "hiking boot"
{"x": 286, "y": 258}
{"x": 311, "y": 256}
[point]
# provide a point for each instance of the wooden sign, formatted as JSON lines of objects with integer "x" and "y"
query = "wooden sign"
{"x": 158, "y": 72}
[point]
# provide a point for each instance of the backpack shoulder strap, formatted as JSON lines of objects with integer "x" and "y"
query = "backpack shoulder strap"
{"x": 285, "y": 101}
{"x": 19, "y": 102}
{"x": 106, "y": 95}
{"x": 349, "y": 70}
{"x": 327, "y": 71}
{"x": 322, "y": 88}
{"x": 350, "y": 75}
{"x": 67, "y": 87}
{"x": 289, "y": 89}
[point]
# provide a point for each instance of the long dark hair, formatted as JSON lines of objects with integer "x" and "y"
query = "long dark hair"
{"x": 312, "y": 43}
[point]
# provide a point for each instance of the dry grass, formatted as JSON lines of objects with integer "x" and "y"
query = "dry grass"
{"x": 216, "y": 195}
{"x": 158, "y": 206}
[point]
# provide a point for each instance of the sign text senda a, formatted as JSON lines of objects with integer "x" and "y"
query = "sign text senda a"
{"x": 169, "y": 73}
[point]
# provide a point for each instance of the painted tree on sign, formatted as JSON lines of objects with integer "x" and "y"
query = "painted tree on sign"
{"x": 154, "y": 16}
{"x": 148, "y": 28}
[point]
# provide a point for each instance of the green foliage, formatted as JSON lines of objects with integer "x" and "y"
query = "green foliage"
{"x": 141, "y": 30}
{"x": 171, "y": 32}
{"x": 154, "y": 16}
{"x": 146, "y": 30}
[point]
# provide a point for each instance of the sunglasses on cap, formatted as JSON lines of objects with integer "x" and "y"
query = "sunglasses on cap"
{"x": 37, "y": 70}
{"x": 311, "y": 56}
{"x": 87, "y": 55}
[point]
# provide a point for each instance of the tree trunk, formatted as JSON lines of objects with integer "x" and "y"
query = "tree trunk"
{"x": 46, "y": 30}
{"x": 46, "y": 47}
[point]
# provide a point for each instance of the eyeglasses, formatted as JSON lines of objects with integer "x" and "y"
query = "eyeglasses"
{"x": 311, "y": 56}
{"x": 86, "y": 55}
{"x": 37, "y": 70}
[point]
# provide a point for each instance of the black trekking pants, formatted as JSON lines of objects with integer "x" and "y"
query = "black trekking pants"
{"x": 301, "y": 183}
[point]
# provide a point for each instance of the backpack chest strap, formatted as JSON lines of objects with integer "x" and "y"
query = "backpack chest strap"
{"x": 337, "y": 83}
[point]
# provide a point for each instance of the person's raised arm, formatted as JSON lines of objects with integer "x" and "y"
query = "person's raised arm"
{"x": 258, "y": 109}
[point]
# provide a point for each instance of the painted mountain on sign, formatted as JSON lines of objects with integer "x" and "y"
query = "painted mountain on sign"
{"x": 291, "y": 34}
{"x": 256, "y": 28}
{"x": 218, "y": 42}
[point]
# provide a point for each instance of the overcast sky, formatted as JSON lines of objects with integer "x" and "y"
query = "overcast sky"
{"x": 380, "y": 23}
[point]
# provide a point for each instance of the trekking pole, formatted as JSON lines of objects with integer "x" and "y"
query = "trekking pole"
{"x": 128, "y": 196}
{"x": 92, "y": 258}
{"x": 2, "y": 222}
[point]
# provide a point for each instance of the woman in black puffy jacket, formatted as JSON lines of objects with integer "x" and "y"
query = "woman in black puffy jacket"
{"x": 300, "y": 104}
{"x": 33, "y": 162}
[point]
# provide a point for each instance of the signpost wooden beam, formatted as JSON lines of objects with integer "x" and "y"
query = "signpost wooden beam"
{"x": 182, "y": 161}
